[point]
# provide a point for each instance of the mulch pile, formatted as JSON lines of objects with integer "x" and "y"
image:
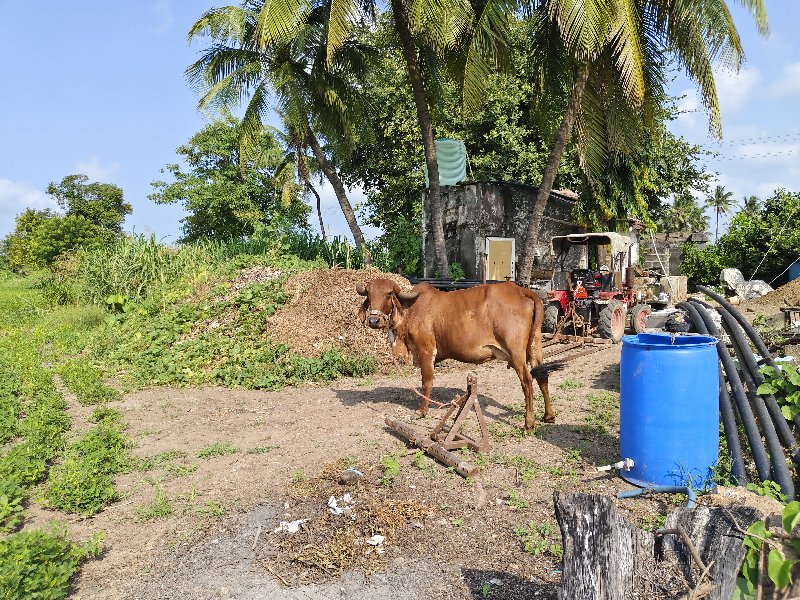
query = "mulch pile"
{"x": 323, "y": 314}
{"x": 786, "y": 295}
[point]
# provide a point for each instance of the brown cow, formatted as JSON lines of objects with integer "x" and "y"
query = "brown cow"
{"x": 473, "y": 325}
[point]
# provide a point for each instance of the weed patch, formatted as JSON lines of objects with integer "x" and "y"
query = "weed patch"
{"x": 605, "y": 411}
{"x": 217, "y": 449}
{"x": 83, "y": 482}
{"x": 159, "y": 508}
{"x": 39, "y": 564}
{"x": 86, "y": 382}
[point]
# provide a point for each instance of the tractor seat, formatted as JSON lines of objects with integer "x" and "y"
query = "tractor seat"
{"x": 586, "y": 276}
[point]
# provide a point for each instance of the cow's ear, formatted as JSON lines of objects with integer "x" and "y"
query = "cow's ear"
{"x": 362, "y": 312}
{"x": 397, "y": 315}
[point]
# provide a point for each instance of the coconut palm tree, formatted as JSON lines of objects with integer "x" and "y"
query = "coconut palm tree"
{"x": 472, "y": 34}
{"x": 751, "y": 204}
{"x": 618, "y": 42}
{"x": 297, "y": 167}
{"x": 316, "y": 95}
{"x": 685, "y": 214}
{"x": 722, "y": 203}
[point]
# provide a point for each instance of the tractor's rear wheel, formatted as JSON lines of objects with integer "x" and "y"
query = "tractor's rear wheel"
{"x": 639, "y": 315}
{"x": 612, "y": 321}
{"x": 550, "y": 320}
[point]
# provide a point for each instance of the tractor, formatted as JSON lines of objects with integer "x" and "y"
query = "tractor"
{"x": 586, "y": 301}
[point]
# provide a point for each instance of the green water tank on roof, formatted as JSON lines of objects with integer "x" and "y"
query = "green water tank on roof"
{"x": 452, "y": 158}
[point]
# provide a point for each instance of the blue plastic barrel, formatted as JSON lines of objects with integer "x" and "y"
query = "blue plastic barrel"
{"x": 794, "y": 271}
{"x": 669, "y": 409}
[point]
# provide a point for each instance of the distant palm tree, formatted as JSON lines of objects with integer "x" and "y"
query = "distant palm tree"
{"x": 686, "y": 215}
{"x": 751, "y": 204}
{"x": 722, "y": 203}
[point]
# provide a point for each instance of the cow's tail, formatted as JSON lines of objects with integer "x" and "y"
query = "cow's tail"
{"x": 534, "y": 351}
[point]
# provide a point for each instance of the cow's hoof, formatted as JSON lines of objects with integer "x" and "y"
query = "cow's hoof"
{"x": 530, "y": 428}
{"x": 421, "y": 414}
{"x": 547, "y": 419}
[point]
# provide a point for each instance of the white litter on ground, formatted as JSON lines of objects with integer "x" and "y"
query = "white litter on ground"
{"x": 290, "y": 526}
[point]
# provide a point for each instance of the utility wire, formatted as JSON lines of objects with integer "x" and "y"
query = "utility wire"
{"x": 774, "y": 241}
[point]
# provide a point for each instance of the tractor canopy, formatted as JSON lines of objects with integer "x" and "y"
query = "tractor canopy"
{"x": 603, "y": 249}
{"x": 618, "y": 242}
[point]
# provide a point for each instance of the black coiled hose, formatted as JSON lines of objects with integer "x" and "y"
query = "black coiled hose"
{"x": 780, "y": 469}
{"x": 704, "y": 324}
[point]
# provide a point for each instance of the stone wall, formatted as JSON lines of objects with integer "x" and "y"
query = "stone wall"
{"x": 669, "y": 249}
{"x": 475, "y": 211}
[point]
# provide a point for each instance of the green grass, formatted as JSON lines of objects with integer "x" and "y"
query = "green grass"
{"x": 178, "y": 347}
{"x": 83, "y": 483}
{"x": 262, "y": 449}
{"x": 536, "y": 540}
{"x": 159, "y": 508}
{"x": 516, "y": 501}
{"x": 40, "y": 564}
{"x": 605, "y": 411}
{"x": 33, "y": 427}
{"x": 217, "y": 449}
{"x": 391, "y": 468}
{"x": 86, "y": 382}
{"x": 570, "y": 384}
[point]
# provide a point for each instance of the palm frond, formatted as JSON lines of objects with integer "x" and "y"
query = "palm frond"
{"x": 279, "y": 20}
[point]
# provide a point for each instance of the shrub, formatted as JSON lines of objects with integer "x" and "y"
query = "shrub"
{"x": 86, "y": 382}
{"x": 38, "y": 565}
{"x": 83, "y": 482}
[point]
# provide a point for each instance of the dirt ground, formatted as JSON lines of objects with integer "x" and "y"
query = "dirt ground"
{"x": 466, "y": 540}
{"x": 220, "y": 469}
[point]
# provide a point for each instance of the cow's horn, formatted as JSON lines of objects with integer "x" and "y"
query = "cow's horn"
{"x": 360, "y": 289}
{"x": 408, "y": 295}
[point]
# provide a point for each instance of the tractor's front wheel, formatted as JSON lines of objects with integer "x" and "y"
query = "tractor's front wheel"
{"x": 639, "y": 315}
{"x": 550, "y": 320}
{"x": 612, "y": 321}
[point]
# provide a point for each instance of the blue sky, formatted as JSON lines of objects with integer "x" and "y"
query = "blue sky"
{"x": 98, "y": 88}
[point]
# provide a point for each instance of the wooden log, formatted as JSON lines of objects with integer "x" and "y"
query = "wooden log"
{"x": 421, "y": 440}
{"x": 603, "y": 551}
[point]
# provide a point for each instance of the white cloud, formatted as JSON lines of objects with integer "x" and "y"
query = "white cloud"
{"x": 164, "y": 17}
{"x": 15, "y": 197}
{"x": 788, "y": 85}
{"x": 733, "y": 89}
{"x": 96, "y": 171}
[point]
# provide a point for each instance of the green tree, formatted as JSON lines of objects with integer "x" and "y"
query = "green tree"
{"x": 101, "y": 204}
{"x": 685, "y": 214}
{"x": 639, "y": 182}
{"x": 94, "y": 213}
{"x": 313, "y": 90}
{"x": 472, "y": 34}
{"x": 762, "y": 244}
{"x": 296, "y": 169}
{"x": 751, "y": 204}
{"x": 613, "y": 50}
{"x": 223, "y": 200}
{"x": 722, "y": 203}
{"x": 507, "y": 140}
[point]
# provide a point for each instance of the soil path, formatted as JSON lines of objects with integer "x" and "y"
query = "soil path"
{"x": 186, "y": 526}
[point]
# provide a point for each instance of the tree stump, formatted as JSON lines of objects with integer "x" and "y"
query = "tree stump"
{"x": 603, "y": 551}
{"x": 716, "y": 539}
{"x": 606, "y": 557}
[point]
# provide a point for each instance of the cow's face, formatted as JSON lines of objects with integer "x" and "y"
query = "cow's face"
{"x": 382, "y": 303}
